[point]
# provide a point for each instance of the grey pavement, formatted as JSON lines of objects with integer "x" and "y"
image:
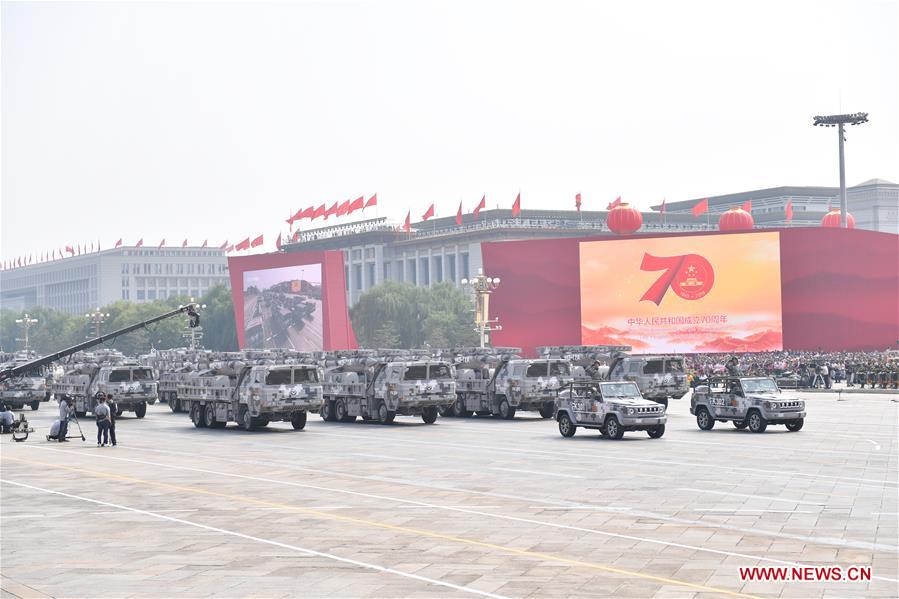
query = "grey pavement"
{"x": 464, "y": 507}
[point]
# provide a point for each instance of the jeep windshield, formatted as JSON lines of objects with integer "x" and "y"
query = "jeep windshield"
{"x": 620, "y": 390}
{"x": 760, "y": 385}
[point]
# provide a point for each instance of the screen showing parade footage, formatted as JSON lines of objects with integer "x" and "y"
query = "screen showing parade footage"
{"x": 283, "y": 308}
{"x": 712, "y": 293}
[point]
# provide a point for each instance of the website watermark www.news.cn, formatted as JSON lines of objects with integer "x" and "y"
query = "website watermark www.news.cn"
{"x": 807, "y": 573}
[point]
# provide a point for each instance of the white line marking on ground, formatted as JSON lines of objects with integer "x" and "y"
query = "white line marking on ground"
{"x": 557, "y": 474}
{"x": 232, "y": 533}
{"x": 383, "y": 457}
{"x": 586, "y": 507}
{"x": 766, "y": 497}
{"x": 751, "y": 511}
{"x": 24, "y": 516}
{"x": 754, "y": 531}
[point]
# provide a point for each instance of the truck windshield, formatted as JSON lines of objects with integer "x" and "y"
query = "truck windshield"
{"x": 653, "y": 367}
{"x": 536, "y": 369}
{"x": 559, "y": 369}
{"x": 141, "y": 374}
{"x": 120, "y": 376}
{"x": 759, "y": 386}
{"x": 416, "y": 372}
{"x": 281, "y": 376}
{"x": 305, "y": 375}
{"x": 675, "y": 365}
{"x": 439, "y": 371}
{"x": 620, "y": 390}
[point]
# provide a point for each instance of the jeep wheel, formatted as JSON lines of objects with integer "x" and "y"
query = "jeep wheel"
{"x": 656, "y": 432}
{"x": 196, "y": 417}
{"x": 429, "y": 415}
{"x": 244, "y": 420}
{"x": 796, "y": 425}
{"x": 613, "y": 428}
{"x": 209, "y": 416}
{"x": 757, "y": 423}
{"x": 140, "y": 410}
{"x": 298, "y": 420}
{"x": 327, "y": 411}
{"x": 35, "y": 405}
{"x": 566, "y": 426}
{"x": 385, "y": 416}
{"x": 546, "y": 410}
{"x": 703, "y": 419}
{"x": 740, "y": 424}
{"x": 506, "y": 412}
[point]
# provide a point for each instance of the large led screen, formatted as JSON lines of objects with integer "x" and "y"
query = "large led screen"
{"x": 282, "y": 307}
{"x": 715, "y": 293}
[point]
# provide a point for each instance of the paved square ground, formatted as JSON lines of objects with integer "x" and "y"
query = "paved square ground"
{"x": 463, "y": 507}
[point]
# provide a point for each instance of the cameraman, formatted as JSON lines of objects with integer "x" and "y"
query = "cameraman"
{"x": 65, "y": 412}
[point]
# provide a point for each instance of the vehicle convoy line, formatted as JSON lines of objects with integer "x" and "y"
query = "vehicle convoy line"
{"x": 298, "y": 549}
{"x": 360, "y": 521}
{"x": 469, "y": 510}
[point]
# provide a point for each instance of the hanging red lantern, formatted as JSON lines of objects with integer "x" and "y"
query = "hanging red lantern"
{"x": 624, "y": 219}
{"x": 832, "y": 219}
{"x": 735, "y": 219}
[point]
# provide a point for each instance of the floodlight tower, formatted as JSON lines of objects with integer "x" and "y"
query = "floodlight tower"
{"x": 839, "y": 121}
{"x": 26, "y": 321}
{"x": 96, "y": 319}
{"x": 483, "y": 286}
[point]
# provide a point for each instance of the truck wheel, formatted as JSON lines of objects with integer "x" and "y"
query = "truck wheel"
{"x": 429, "y": 415}
{"x": 757, "y": 424}
{"x": 740, "y": 424}
{"x": 484, "y": 413}
{"x": 327, "y": 411}
{"x": 458, "y": 408}
{"x": 613, "y": 428}
{"x": 341, "y": 412}
{"x": 35, "y": 405}
{"x": 245, "y": 421}
{"x": 704, "y": 420}
{"x": 506, "y": 412}
{"x": 140, "y": 410}
{"x": 566, "y": 426}
{"x": 385, "y": 416}
{"x": 172, "y": 406}
{"x": 119, "y": 412}
{"x": 656, "y": 432}
{"x": 796, "y": 425}
{"x": 546, "y": 410}
{"x": 209, "y": 416}
{"x": 298, "y": 421}
{"x": 196, "y": 417}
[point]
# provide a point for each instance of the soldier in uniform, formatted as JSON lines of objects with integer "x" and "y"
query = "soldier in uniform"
{"x": 733, "y": 366}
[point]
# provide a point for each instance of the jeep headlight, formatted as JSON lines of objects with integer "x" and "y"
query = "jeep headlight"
{"x": 769, "y": 405}
{"x": 631, "y": 411}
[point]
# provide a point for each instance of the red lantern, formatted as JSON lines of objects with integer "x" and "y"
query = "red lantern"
{"x": 735, "y": 219}
{"x": 624, "y": 219}
{"x": 832, "y": 219}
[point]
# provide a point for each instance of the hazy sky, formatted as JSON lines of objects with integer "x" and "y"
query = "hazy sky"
{"x": 218, "y": 120}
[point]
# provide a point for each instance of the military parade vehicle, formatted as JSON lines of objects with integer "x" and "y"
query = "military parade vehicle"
{"x": 659, "y": 377}
{"x": 613, "y": 408}
{"x": 475, "y": 367}
{"x": 528, "y": 384}
{"x": 88, "y": 373}
{"x": 28, "y": 388}
{"x": 171, "y": 366}
{"x": 376, "y": 385}
{"x": 588, "y": 362}
{"x": 753, "y": 402}
{"x": 253, "y": 395}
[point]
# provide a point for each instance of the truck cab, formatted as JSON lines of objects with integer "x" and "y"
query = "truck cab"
{"x": 753, "y": 402}
{"x": 529, "y": 385}
{"x": 659, "y": 377}
{"x": 612, "y": 408}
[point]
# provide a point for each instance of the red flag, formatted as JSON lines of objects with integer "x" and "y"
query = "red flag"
{"x": 701, "y": 207}
{"x": 205, "y": 243}
{"x": 788, "y": 209}
{"x": 184, "y": 243}
{"x": 343, "y": 208}
{"x": 330, "y": 211}
{"x": 256, "y": 242}
{"x": 429, "y": 213}
{"x": 357, "y": 204}
{"x": 140, "y": 243}
{"x": 614, "y": 204}
{"x": 459, "y": 215}
{"x": 224, "y": 245}
{"x": 747, "y": 206}
{"x": 243, "y": 245}
{"x": 161, "y": 243}
{"x": 70, "y": 250}
{"x": 118, "y": 243}
{"x": 662, "y": 208}
{"x": 320, "y": 211}
{"x": 229, "y": 249}
{"x": 372, "y": 201}
{"x": 516, "y": 207}
{"x": 308, "y": 212}
{"x": 278, "y": 242}
{"x": 577, "y": 202}
{"x": 295, "y": 217}
{"x": 407, "y": 226}
{"x": 481, "y": 205}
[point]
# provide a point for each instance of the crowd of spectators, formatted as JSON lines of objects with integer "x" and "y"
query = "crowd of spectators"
{"x": 805, "y": 369}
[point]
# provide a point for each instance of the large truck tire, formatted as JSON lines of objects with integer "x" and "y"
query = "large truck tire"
{"x": 298, "y": 421}
{"x": 429, "y": 415}
{"x": 196, "y": 415}
{"x": 244, "y": 420}
{"x": 140, "y": 410}
{"x": 35, "y": 405}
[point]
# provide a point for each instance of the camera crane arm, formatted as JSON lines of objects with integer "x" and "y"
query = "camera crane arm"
{"x": 190, "y": 309}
